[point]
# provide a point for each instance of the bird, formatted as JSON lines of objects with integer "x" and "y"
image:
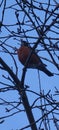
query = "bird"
{"x": 34, "y": 61}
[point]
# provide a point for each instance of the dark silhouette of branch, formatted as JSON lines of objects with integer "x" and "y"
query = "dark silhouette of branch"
{"x": 21, "y": 91}
{"x": 37, "y": 23}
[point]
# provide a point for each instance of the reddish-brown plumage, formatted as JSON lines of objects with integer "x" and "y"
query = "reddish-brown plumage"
{"x": 24, "y": 52}
{"x": 34, "y": 61}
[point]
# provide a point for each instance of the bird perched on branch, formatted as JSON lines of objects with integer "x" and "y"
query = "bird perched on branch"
{"x": 25, "y": 54}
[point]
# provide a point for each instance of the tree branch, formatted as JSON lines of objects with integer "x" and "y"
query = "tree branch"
{"x": 23, "y": 95}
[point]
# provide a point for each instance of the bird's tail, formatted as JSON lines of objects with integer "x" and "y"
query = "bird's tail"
{"x": 46, "y": 71}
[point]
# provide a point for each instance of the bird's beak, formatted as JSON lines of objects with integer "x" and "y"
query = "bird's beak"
{"x": 15, "y": 50}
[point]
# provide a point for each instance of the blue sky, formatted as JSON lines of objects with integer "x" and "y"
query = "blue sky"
{"x": 16, "y": 122}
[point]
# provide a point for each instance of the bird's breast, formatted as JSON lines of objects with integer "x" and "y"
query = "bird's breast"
{"x": 23, "y": 53}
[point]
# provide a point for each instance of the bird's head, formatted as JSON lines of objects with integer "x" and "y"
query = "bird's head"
{"x": 24, "y": 43}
